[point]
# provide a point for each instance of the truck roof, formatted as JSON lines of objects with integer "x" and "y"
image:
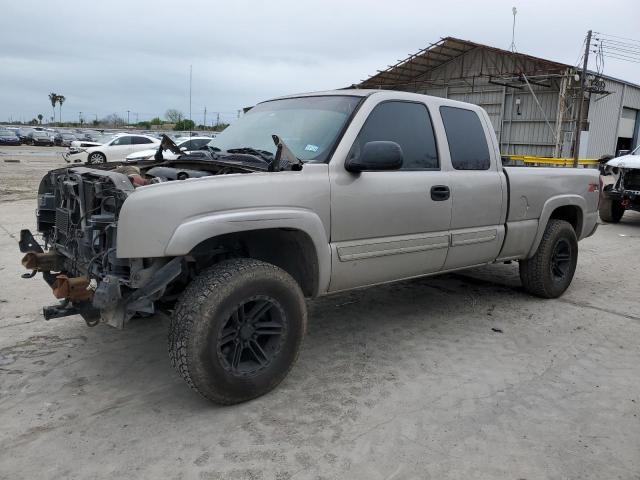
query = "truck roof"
{"x": 399, "y": 94}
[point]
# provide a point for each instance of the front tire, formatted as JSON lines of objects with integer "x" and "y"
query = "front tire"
{"x": 549, "y": 272}
{"x": 237, "y": 330}
{"x": 96, "y": 158}
{"x": 610, "y": 210}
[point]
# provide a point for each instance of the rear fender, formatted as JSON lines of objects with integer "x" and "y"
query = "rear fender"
{"x": 547, "y": 210}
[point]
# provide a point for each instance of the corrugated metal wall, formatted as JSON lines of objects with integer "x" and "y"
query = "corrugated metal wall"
{"x": 521, "y": 130}
{"x": 604, "y": 116}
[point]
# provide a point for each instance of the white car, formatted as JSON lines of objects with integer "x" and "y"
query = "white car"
{"x": 119, "y": 147}
{"x": 185, "y": 144}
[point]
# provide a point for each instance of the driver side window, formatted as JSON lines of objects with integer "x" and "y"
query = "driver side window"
{"x": 409, "y": 125}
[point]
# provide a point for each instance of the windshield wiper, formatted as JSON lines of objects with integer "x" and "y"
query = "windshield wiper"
{"x": 285, "y": 158}
{"x": 263, "y": 154}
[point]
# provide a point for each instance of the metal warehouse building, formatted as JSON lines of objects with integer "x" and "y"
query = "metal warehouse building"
{"x": 532, "y": 102}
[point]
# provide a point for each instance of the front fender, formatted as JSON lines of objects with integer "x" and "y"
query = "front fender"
{"x": 198, "y": 229}
{"x": 549, "y": 206}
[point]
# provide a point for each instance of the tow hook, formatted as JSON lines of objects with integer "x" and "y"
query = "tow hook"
{"x": 74, "y": 289}
{"x": 42, "y": 262}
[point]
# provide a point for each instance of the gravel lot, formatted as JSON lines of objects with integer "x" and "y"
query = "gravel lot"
{"x": 460, "y": 376}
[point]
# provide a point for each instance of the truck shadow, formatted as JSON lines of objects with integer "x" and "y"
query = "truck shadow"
{"x": 355, "y": 344}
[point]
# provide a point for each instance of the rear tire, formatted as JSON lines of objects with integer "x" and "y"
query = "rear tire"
{"x": 611, "y": 211}
{"x": 96, "y": 158}
{"x": 237, "y": 330}
{"x": 549, "y": 272}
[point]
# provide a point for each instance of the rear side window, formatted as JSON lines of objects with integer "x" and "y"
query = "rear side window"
{"x": 122, "y": 141}
{"x": 409, "y": 125}
{"x": 466, "y": 138}
{"x": 140, "y": 140}
{"x": 199, "y": 143}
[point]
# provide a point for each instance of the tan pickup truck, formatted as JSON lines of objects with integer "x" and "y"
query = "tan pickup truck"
{"x": 304, "y": 196}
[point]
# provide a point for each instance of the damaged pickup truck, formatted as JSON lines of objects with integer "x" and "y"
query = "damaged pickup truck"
{"x": 304, "y": 196}
{"x": 623, "y": 193}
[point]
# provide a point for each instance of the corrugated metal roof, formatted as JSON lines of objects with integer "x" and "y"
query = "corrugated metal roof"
{"x": 447, "y": 49}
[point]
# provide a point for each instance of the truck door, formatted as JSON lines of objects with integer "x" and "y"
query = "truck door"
{"x": 388, "y": 225}
{"x": 477, "y": 189}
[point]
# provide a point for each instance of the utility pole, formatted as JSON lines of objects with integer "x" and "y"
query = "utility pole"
{"x": 218, "y": 119}
{"x": 190, "y": 78}
{"x": 128, "y": 118}
{"x": 205, "y": 118}
{"x": 80, "y": 118}
{"x": 136, "y": 114}
{"x": 583, "y": 84}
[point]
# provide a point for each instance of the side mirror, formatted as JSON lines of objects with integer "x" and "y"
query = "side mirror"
{"x": 183, "y": 149}
{"x": 376, "y": 156}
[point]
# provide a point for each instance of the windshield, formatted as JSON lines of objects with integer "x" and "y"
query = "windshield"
{"x": 308, "y": 125}
{"x": 103, "y": 139}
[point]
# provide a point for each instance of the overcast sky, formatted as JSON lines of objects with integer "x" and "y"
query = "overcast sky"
{"x": 110, "y": 57}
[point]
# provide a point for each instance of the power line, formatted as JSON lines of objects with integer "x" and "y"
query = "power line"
{"x": 622, "y": 49}
{"x": 581, "y": 56}
{"x": 622, "y": 58}
{"x": 616, "y": 36}
{"x": 622, "y": 54}
{"x": 611, "y": 44}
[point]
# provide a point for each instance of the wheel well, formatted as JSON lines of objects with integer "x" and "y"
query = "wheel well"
{"x": 571, "y": 214}
{"x": 290, "y": 249}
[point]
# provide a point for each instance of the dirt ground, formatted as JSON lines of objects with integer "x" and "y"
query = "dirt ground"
{"x": 459, "y": 376}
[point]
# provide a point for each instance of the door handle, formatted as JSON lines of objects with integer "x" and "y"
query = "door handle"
{"x": 440, "y": 193}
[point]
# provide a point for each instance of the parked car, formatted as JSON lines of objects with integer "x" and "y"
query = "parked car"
{"x": 23, "y": 135}
{"x": 623, "y": 193}
{"x": 64, "y": 139}
{"x": 91, "y": 136}
{"x": 13, "y": 130}
{"x": 303, "y": 196}
{"x": 185, "y": 144}
{"x": 39, "y": 137}
{"x": 94, "y": 142}
{"x": 119, "y": 147}
{"x": 8, "y": 137}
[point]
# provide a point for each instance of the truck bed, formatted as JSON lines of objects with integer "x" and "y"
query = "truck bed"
{"x": 531, "y": 187}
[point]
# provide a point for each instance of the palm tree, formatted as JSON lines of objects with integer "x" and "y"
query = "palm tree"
{"x": 40, "y": 117}
{"x": 53, "y": 97}
{"x": 61, "y": 100}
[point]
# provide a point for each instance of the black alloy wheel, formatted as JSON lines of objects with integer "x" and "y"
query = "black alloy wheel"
{"x": 561, "y": 260}
{"x": 252, "y": 336}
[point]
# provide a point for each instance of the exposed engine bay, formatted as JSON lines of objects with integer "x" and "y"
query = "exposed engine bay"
{"x": 77, "y": 217}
